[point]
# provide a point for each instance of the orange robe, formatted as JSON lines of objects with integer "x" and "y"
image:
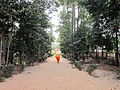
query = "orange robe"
{"x": 57, "y": 57}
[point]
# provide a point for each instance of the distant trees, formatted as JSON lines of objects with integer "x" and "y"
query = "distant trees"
{"x": 22, "y": 31}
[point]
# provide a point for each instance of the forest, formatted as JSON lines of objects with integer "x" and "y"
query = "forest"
{"x": 23, "y": 36}
{"x": 90, "y": 29}
{"x": 23, "y": 31}
{"x": 88, "y": 35}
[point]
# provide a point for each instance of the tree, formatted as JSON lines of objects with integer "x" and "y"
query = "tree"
{"x": 107, "y": 12}
{"x": 23, "y": 25}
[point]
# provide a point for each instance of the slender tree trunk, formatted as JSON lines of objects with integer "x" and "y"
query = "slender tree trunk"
{"x": 8, "y": 48}
{"x": 102, "y": 52}
{"x": 1, "y": 47}
{"x": 116, "y": 51}
{"x": 96, "y": 54}
{"x": 78, "y": 16}
{"x": 116, "y": 28}
{"x": 20, "y": 58}
{"x": 9, "y": 42}
{"x": 73, "y": 25}
{"x": 39, "y": 53}
{"x": 106, "y": 55}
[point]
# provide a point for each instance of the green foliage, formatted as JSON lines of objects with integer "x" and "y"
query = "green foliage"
{"x": 72, "y": 62}
{"x": 106, "y": 18}
{"x": 111, "y": 62}
{"x": 118, "y": 73}
{"x": 78, "y": 65}
{"x": 91, "y": 68}
{"x": 1, "y": 73}
{"x": 96, "y": 27}
{"x": 1, "y": 76}
{"x": 8, "y": 70}
{"x": 23, "y": 26}
{"x": 80, "y": 41}
{"x": 2, "y": 79}
{"x": 75, "y": 44}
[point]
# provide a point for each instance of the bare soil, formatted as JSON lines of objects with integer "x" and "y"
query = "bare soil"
{"x": 53, "y": 76}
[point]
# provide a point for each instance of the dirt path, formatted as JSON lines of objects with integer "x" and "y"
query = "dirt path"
{"x": 53, "y": 76}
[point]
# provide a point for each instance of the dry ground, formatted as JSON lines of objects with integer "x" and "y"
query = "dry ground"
{"x": 53, "y": 76}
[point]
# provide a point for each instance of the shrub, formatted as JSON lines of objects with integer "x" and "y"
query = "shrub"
{"x": 71, "y": 62}
{"x": 78, "y": 65}
{"x": 118, "y": 74}
{"x": 91, "y": 68}
{"x": 1, "y": 74}
{"x": 2, "y": 79}
{"x": 8, "y": 70}
{"x": 111, "y": 62}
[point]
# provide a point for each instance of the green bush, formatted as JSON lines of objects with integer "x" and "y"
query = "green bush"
{"x": 8, "y": 70}
{"x": 2, "y": 79}
{"x": 118, "y": 74}
{"x": 30, "y": 61}
{"x": 1, "y": 74}
{"x": 91, "y": 68}
{"x": 71, "y": 62}
{"x": 78, "y": 65}
{"x": 112, "y": 62}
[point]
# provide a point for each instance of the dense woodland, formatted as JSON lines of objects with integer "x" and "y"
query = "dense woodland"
{"x": 90, "y": 29}
{"x": 23, "y": 36}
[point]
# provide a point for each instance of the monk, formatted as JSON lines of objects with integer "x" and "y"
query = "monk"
{"x": 57, "y": 56}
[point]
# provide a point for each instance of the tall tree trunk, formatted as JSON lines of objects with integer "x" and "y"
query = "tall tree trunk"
{"x": 102, "y": 52}
{"x": 8, "y": 48}
{"x": 73, "y": 25}
{"x": 96, "y": 54}
{"x": 116, "y": 29}
{"x": 9, "y": 42}
{"x": 106, "y": 55}
{"x": 3, "y": 44}
{"x": 78, "y": 16}
{"x": 116, "y": 51}
{"x": 39, "y": 54}
{"x": 1, "y": 47}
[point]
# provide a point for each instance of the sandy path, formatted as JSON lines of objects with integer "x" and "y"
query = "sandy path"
{"x": 53, "y": 76}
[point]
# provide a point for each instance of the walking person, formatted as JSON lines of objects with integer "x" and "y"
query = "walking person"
{"x": 57, "y": 56}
